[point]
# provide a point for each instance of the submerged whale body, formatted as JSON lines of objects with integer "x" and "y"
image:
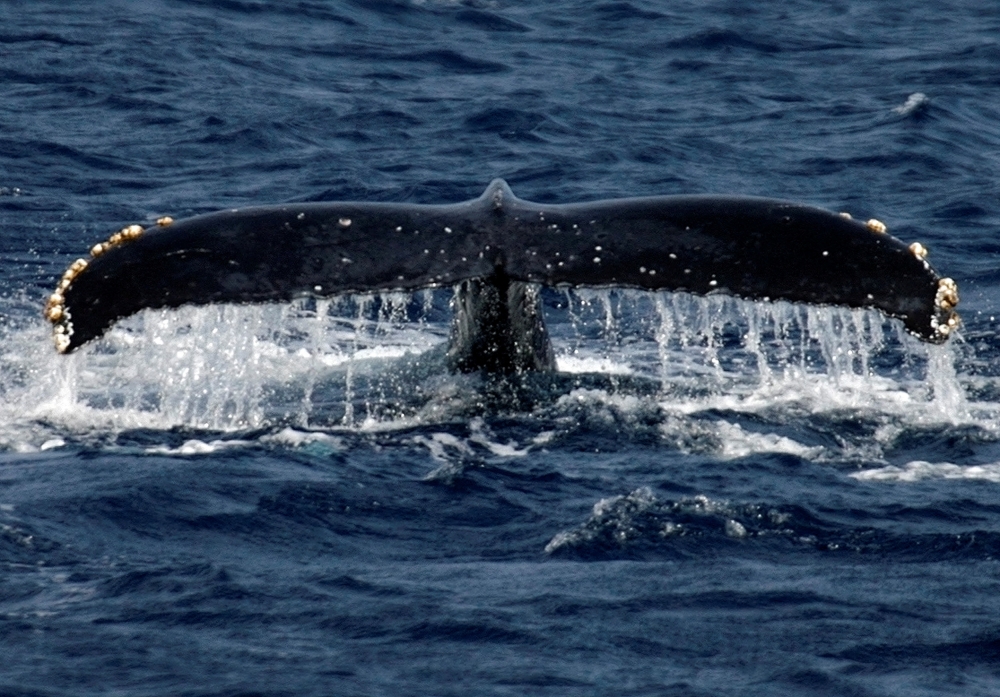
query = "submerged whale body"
{"x": 498, "y": 249}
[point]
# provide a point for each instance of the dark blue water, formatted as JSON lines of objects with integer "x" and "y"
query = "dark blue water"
{"x": 713, "y": 498}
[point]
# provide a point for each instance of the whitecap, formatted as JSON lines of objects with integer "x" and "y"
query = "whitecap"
{"x": 918, "y": 470}
{"x": 294, "y": 438}
{"x": 737, "y": 443}
{"x": 198, "y": 447}
{"x": 913, "y": 103}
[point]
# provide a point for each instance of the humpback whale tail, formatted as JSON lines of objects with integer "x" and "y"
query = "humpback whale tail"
{"x": 497, "y": 248}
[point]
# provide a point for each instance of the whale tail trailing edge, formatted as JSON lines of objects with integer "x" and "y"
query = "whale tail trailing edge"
{"x": 759, "y": 249}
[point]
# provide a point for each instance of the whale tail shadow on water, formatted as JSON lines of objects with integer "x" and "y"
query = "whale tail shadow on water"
{"x": 497, "y": 249}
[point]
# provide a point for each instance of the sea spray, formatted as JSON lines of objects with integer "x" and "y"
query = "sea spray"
{"x": 312, "y": 363}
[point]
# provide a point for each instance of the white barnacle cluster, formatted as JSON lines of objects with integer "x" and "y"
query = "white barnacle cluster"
{"x": 876, "y": 226}
{"x": 126, "y": 234}
{"x": 946, "y": 300}
{"x": 55, "y": 307}
{"x": 918, "y": 250}
{"x": 56, "y": 311}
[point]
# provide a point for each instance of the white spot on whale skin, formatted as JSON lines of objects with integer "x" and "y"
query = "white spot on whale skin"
{"x": 597, "y": 260}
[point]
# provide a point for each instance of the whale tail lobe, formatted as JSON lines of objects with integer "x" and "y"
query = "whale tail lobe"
{"x": 496, "y": 249}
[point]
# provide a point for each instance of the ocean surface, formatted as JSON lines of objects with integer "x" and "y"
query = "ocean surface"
{"x": 712, "y": 497}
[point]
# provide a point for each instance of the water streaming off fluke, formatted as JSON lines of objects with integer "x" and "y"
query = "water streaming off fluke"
{"x": 373, "y": 361}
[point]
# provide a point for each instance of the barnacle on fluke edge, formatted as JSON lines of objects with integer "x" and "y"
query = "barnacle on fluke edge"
{"x": 55, "y": 308}
{"x": 491, "y": 248}
{"x": 946, "y": 319}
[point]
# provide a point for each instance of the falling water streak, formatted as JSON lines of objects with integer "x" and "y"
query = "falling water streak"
{"x": 393, "y": 310}
{"x": 719, "y": 322}
{"x": 391, "y": 313}
{"x": 863, "y": 341}
{"x": 948, "y": 398}
{"x": 780, "y": 341}
{"x": 349, "y": 373}
{"x": 217, "y": 364}
{"x": 753, "y": 341}
{"x": 427, "y": 298}
{"x": 574, "y": 317}
{"x": 610, "y": 324}
{"x": 782, "y": 323}
{"x": 825, "y": 325}
{"x": 67, "y": 392}
{"x": 662, "y": 335}
{"x": 317, "y": 334}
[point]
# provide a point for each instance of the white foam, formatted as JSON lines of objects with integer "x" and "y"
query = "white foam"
{"x": 439, "y": 445}
{"x": 481, "y": 435}
{"x": 297, "y": 439}
{"x": 591, "y": 364}
{"x": 199, "y": 447}
{"x": 737, "y": 443}
{"x": 624, "y": 403}
{"x": 919, "y": 470}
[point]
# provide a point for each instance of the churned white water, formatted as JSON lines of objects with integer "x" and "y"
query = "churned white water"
{"x": 335, "y": 363}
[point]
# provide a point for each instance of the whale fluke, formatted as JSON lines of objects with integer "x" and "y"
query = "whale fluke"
{"x": 754, "y": 248}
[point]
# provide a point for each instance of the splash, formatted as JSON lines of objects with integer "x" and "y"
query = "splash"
{"x": 367, "y": 362}
{"x": 720, "y": 351}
